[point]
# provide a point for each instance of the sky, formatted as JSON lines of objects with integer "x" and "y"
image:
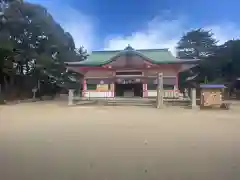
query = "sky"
{"x": 112, "y": 25}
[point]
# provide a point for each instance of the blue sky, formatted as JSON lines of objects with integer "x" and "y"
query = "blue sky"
{"x": 105, "y": 24}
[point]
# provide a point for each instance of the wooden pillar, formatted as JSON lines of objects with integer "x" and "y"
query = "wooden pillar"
{"x": 112, "y": 89}
{"x": 84, "y": 89}
{"x": 176, "y": 83}
{"x": 70, "y": 97}
{"x": 194, "y": 98}
{"x": 160, "y": 92}
{"x": 145, "y": 91}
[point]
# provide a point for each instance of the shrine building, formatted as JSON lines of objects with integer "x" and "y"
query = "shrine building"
{"x": 130, "y": 72}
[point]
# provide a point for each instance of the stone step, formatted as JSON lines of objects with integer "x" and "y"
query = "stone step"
{"x": 128, "y": 103}
{"x": 133, "y": 102}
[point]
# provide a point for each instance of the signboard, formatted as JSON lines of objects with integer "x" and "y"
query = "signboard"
{"x": 102, "y": 87}
{"x": 128, "y": 81}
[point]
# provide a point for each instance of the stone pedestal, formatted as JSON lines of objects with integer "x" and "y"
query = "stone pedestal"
{"x": 70, "y": 97}
{"x": 194, "y": 98}
{"x": 34, "y": 90}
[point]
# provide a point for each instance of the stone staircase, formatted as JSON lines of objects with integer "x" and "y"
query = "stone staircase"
{"x": 146, "y": 102}
{"x": 130, "y": 102}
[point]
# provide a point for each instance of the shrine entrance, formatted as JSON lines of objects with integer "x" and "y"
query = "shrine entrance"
{"x": 128, "y": 89}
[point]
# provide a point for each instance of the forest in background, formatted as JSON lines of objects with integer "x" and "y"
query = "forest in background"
{"x": 33, "y": 49}
{"x": 219, "y": 63}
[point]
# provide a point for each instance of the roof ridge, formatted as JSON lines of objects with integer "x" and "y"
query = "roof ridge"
{"x": 157, "y": 49}
{"x": 105, "y": 51}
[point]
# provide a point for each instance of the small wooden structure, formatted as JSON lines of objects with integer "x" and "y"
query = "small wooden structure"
{"x": 212, "y": 96}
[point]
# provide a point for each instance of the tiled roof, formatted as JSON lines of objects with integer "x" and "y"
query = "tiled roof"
{"x": 155, "y": 56}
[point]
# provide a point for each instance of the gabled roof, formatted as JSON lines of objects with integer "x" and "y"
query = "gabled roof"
{"x": 154, "y": 56}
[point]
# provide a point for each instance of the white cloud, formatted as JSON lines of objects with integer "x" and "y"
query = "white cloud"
{"x": 160, "y": 33}
{"x": 79, "y": 25}
{"x": 157, "y": 34}
{"x": 225, "y": 31}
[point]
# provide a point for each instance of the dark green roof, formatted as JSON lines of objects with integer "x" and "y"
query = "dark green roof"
{"x": 155, "y": 56}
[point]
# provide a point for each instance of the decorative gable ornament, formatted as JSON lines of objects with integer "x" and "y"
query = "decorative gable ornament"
{"x": 129, "y": 48}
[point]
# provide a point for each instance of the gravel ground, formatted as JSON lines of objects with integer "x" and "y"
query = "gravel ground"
{"x": 50, "y": 141}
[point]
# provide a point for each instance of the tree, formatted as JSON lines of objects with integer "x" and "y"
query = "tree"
{"x": 230, "y": 54}
{"x": 32, "y": 44}
{"x": 198, "y": 44}
{"x": 219, "y": 64}
{"x": 82, "y": 53}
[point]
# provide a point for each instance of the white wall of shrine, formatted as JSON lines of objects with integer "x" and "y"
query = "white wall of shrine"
{"x": 167, "y": 93}
{"x": 95, "y": 94}
{"x": 148, "y": 93}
